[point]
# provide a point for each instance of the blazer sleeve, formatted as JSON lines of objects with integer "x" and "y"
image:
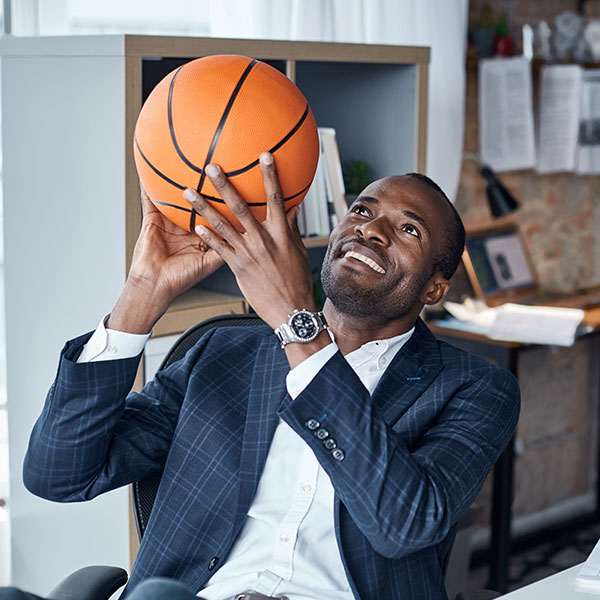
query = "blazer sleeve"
{"x": 405, "y": 499}
{"x": 92, "y": 435}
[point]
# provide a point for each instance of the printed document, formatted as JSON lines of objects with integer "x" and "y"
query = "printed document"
{"x": 506, "y": 133}
{"x": 588, "y": 148}
{"x": 560, "y": 102}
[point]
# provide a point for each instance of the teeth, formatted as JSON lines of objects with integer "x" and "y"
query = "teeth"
{"x": 365, "y": 259}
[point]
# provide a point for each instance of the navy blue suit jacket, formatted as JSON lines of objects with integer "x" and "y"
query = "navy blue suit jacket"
{"x": 416, "y": 452}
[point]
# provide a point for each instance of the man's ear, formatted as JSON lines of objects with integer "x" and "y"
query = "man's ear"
{"x": 435, "y": 291}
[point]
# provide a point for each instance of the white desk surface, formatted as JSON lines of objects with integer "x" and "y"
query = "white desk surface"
{"x": 556, "y": 587}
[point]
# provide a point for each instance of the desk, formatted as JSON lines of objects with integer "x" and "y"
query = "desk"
{"x": 506, "y": 355}
{"x": 556, "y": 587}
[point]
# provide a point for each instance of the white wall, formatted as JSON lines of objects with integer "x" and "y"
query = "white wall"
{"x": 63, "y": 149}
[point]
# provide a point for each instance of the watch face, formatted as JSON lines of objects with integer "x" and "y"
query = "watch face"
{"x": 303, "y": 325}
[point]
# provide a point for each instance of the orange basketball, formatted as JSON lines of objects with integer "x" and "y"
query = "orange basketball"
{"x": 225, "y": 110}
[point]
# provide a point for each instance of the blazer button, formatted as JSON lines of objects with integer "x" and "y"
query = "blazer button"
{"x": 338, "y": 454}
{"x": 329, "y": 444}
{"x": 213, "y": 563}
{"x": 321, "y": 434}
{"x": 312, "y": 424}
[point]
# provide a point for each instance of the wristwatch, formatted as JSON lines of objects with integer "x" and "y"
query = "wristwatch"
{"x": 301, "y": 326}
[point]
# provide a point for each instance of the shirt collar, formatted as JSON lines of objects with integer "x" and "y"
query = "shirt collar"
{"x": 381, "y": 352}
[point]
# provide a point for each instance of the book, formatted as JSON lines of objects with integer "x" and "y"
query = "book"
{"x": 316, "y": 214}
{"x": 333, "y": 165}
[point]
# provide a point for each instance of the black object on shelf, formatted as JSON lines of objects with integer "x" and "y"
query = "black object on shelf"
{"x": 501, "y": 201}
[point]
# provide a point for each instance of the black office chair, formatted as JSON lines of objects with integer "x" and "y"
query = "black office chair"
{"x": 100, "y": 582}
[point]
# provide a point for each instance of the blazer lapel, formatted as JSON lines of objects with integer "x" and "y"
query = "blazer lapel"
{"x": 413, "y": 369}
{"x": 267, "y": 391}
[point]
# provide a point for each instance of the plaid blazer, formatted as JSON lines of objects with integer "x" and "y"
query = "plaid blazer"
{"x": 415, "y": 453}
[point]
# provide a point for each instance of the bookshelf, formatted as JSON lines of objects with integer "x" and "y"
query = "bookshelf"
{"x": 374, "y": 96}
{"x": 72, "y": 216}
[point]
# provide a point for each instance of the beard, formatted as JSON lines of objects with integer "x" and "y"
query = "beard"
{"x": 390, "y": 299}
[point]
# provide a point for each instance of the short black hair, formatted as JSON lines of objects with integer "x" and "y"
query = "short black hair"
{"x": 449, "y": 259}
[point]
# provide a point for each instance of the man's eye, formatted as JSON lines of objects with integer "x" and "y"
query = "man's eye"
{"x": 359, "y": 210}
{"x": 408, "y": 228}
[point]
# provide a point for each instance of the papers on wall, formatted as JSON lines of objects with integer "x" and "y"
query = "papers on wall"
{"x": 519, "y": 323}
{"x": 506, "y": 131}
{"x": 588, "y": 147}
{"x": 560, "y": 102}
{"x": 568, "y": 137}
{"x": 324, "y": 204}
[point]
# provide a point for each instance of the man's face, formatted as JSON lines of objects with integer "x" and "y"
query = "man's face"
{"x": 380, "y": 257}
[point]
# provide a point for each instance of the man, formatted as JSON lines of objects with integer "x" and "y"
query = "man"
{"x": 330, "y": 459}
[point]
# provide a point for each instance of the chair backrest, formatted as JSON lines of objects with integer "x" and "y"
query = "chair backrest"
{"x": 143, "y": 492}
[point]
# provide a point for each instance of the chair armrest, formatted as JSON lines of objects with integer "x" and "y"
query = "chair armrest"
{"x": 90, "y": 583}
{"x": 478, "y": 595}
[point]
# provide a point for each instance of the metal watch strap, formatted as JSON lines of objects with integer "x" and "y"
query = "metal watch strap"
{"x": 285, "y": 332}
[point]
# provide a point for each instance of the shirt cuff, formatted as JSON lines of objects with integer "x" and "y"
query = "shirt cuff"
{"x": 110, "y": 344}
{"x": 301, "y": 375}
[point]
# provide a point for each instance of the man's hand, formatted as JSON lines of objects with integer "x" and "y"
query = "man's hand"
{"x": 166, "y": 261}
{"x": 269, "y": 260}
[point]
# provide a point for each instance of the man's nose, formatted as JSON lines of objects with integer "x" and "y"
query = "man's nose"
{"x": 375, "y": 230}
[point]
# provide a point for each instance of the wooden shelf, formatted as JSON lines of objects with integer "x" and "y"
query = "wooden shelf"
{"x": 194, "y": 306}
{"x": 316, "y": 242}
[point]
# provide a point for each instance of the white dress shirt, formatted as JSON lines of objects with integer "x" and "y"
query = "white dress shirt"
{"x": 287, "y": 545}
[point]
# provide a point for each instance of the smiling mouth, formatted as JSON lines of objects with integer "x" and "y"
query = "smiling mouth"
{"x": 365, "y": 259}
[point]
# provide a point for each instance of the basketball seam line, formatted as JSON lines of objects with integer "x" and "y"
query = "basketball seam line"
{"x": 276, "y": 147}
{"x": 218, "y": 131}
{"x": 213, "y": 199}
{"x": 224, "y": 116}
{"x": 177, "y": 185}
{"x": 172, "y": 126}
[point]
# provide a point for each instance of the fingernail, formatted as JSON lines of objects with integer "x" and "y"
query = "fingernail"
{"x": 189, "y": 194}
{"x": 212, "y": 170}
{"x": 201, "y": 230}
{"x": 266, "y": 158}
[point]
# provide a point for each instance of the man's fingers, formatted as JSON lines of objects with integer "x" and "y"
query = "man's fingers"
{"x": 236, "y": 204}
{"x": 212, "y": 216}
{"x": 273, "y": 192}
{"x": 292, "y": 219}
{"x": 147, "y": 204}
{"x": 213, "y": 241}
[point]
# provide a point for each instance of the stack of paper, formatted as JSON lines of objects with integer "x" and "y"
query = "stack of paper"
{"x": 589, "y": 574}
{"x": 519, "y": 323}
{"x": 536, "y": 324}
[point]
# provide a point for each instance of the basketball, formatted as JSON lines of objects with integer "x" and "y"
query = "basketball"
{"x": 226, "y": 110}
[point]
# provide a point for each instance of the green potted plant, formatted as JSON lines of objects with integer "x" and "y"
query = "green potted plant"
{"x": 357, "y": 176}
